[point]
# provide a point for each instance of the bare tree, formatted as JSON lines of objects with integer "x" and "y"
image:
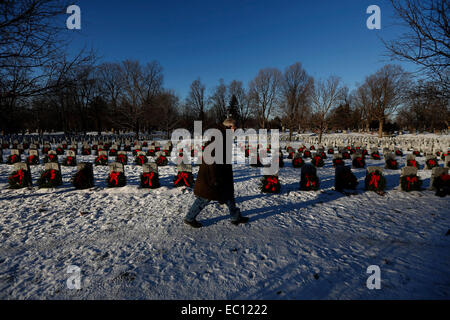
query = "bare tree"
{"x": 425, "y": 108}
{"x": 426, "y": 41}
{"x": 325, "y": 96}
{"x": 364, "y": 102}
{"x": 33, "y": 58}
{"x": 387, "y": 91}
{"x": 237, "y": 89}
{"x": 218, "y": 101}
{"x": 141, "y": 85}
{"x": 110, "y": 79}
{"x": 166, "y": 113}
{"x": 296, "y": 87}
{"x": 264, "y": 92}
{"x": 196, "y": 99}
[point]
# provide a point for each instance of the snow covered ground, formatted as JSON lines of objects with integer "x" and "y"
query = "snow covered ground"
{"x": 132, "y": 244}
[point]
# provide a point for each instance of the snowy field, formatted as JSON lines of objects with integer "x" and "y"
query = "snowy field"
{"x": 131, "y": 243}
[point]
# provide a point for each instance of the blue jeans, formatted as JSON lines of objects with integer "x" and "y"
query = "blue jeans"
{"x": 201, "y": 203}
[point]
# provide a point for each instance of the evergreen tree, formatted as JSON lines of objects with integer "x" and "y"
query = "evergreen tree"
{"x": 233, "y": 108}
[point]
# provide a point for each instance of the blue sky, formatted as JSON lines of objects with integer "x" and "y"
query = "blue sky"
{"x": 234, "y": 39}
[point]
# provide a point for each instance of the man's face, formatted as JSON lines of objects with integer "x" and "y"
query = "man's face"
{"x": 232, "y": 128}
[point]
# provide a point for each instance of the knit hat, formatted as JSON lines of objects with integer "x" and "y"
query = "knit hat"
{"x": 229, "y": 122}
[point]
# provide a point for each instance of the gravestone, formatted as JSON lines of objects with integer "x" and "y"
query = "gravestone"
{"x": 447, "y": 161}
{"x": 431, "y": 161}
{"x": 407, "y": 171}
{"x": 150, "y": 176}
{"x": 141, "y": 158}
{"x": 308, "y": 178}
{"x": 374, "y": 180}
{"x": 389, "y": 156}
{"x": 51, "y": 176}
{"x": 113, "y": 150}
{"x": 52, "y": 166}
{"x": 33, "y": 152}
{"x": 270, "y": 183}
{"x": 358, "y": 161}
{"x": 436, "y": 172}
{"x": 338, "y": 160}
{"x": 409, "y": 181}
{"x": 344, "y": 179}
{"x": 21, "y": 166}
{"x": 184, "y": 177}
{"x": 150, "y": 167}
{"x": 116, "y": 167}
{"x": 21, "y": 176}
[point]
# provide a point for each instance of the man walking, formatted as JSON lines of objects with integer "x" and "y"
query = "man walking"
{"x": 215, "y": 183}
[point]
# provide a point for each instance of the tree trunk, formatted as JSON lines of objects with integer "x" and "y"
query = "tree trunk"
{"x": 380, "y": 128}
{"x": 320, "y": 134}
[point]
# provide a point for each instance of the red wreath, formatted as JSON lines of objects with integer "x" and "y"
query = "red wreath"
{"x": 161, "y": 160}
{"x": 318, "y": 161}
{"x": 148, "y": 176}
{"x": 19, "y": 174}
{"x": 392, "y": 164}
{"x": 411, "y": 180}
{"x": 431, "y": 163}
{"x": 359, "y": 162}
{"x": 338, "y": 162}
{"x": 271, "y": 183}
{"x": 374, "y": 179}
{"x": 413, "y": 163}
{"x": 121, "y": 158}
{"x": 184, "y": 176}
{"x": 297, "y": 162}
{"x": 141, "y": 159}
{"x": 113, "y": 177}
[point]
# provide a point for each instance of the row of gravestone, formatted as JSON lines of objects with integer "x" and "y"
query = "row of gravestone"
{"x": 344, "y": 178}
{"x": 357, "y": 155}
{"x": 84, "y": 145}
{"x": 61, "y": 139}
{"x": 405, "y": 142}
{"x": 51, "y": 176}
{"x": 422, "y": 143}
{"x": 442, "y": 148}
{"x": 71, "y": 160}
{"x": 374, "y": 180}
{"x": 358, "y": 158}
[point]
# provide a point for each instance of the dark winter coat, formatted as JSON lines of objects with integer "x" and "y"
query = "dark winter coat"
{"x": 215, "y": 181}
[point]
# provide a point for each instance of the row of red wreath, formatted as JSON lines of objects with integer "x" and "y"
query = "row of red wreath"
{"x": 84, "y": 179}
{"x": 374, "y": 181}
